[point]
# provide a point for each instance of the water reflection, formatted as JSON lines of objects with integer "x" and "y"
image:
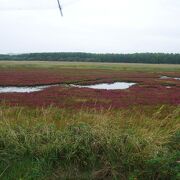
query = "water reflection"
{"x": 22, "y": 89}
{"x": 108, "y": 86}
{"x": 27, "y": 89}
{"x": 167, "y": 77}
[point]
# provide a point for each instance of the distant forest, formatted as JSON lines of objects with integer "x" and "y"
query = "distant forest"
{"x": 152, "y": 58}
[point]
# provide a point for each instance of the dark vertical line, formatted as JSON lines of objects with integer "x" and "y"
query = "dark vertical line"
{"x": 60, "y": 7}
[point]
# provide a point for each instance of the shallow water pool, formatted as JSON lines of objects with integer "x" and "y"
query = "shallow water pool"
{"x": 108, "y": 86}
{"x": 167, "y": 77}
{"x": 25, "y": 89}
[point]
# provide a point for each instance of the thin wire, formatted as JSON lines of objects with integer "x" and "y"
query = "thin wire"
{"x": 59, "y": 5}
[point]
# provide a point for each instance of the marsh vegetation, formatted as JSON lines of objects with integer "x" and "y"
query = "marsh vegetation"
{"x": 51, "y": 143}
{"x": 82, "y": 133}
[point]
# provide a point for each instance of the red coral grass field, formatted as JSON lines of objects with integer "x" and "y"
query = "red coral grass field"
{"x": 149, "y": 90}
{"x": 68, "y": 132}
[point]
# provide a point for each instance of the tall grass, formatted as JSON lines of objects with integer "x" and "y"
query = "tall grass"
{"x": 132, "y": 67}
{"x": 52, "y": 143}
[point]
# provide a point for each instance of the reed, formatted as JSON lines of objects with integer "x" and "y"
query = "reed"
{"x": 52, "y": 143}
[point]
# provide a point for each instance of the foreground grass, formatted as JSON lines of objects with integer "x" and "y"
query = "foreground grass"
{"x": 131, "y": 67}
{"x": 63, "y": 144}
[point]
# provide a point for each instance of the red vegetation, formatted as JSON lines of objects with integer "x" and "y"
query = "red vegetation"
{"x": 150, "y": 90}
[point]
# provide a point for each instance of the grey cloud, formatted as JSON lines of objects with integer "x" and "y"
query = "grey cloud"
{"x": 90, "y": 25}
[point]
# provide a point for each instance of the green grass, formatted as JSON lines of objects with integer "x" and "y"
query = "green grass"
{"x": 81, "y": 65}
{"x": 52, "y": 143}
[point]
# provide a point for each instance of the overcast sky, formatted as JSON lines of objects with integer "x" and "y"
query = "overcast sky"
{"x": 106, "y": 26}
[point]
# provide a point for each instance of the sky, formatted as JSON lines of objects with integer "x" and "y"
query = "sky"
{"x": 99, "y": 26}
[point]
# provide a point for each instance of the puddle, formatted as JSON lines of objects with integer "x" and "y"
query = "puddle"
{"x": 25, "y": 89}
{"x": 167, "y": 77}
{"x": 108, "y": 86}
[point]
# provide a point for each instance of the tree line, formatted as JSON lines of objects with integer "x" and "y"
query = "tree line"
{"x": 152, "y": 58}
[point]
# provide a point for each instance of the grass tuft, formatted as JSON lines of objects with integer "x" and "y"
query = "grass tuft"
{"x": 51, "y": 143}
